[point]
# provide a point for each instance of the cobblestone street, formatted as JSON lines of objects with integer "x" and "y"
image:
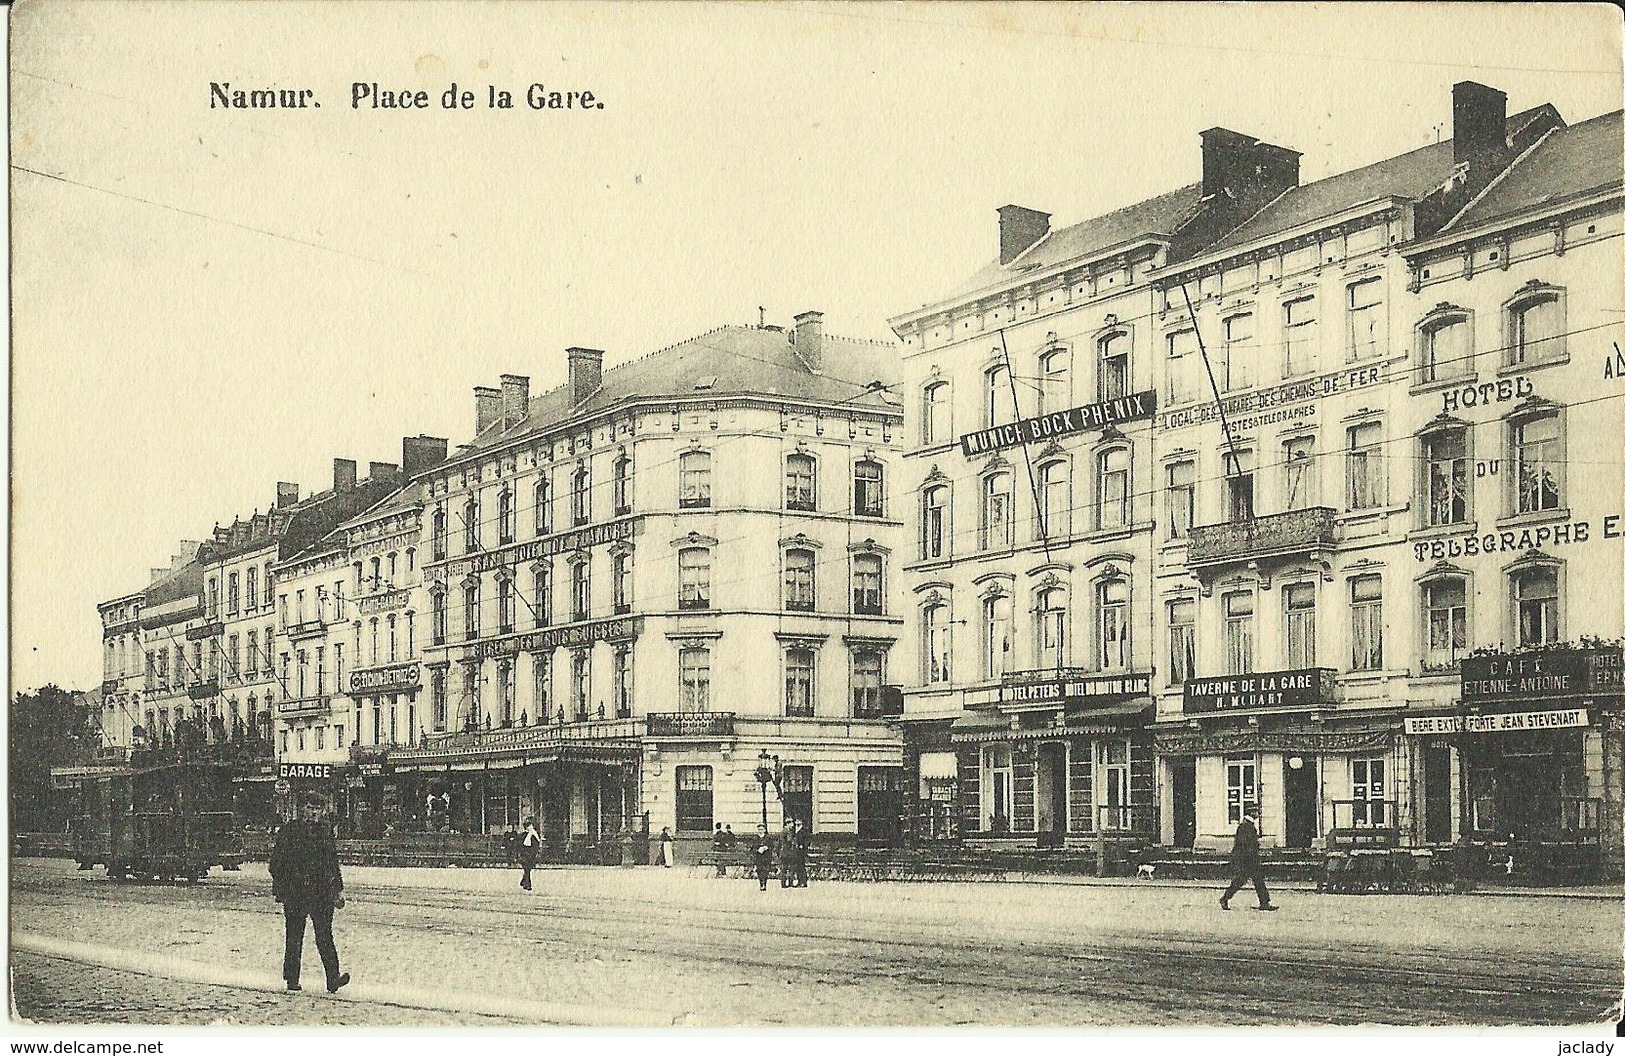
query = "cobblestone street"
{"x": 676, "y": 947}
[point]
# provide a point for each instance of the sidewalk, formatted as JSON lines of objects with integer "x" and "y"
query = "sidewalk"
{"x": 1589, "y": 891}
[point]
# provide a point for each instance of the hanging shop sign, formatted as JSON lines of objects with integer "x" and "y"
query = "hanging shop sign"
{"x": 386, "y": 679}
{"x": 568, "y": 637}
{"x": 1130, "y": 408}
{"x": 1551, "y": 673}
{"x": 1281, "y": 396}
{"x": 1510, "y": 722}
{"x": 1072, "y": 689}
{"x": 1304, "y": 687}
{"x": 304, "y": 771}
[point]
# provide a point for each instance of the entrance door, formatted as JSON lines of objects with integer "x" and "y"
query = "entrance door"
{"x": 1051, "y": 795}
{"x": 1437, "y": 794}
{"x": 1184, "y": 775}
{"x": 880, "y": 805}
{"x": 1301, "y": 790}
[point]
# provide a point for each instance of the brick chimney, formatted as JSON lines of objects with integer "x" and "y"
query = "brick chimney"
{"x": 344, "y": 474}
{"x": 420, "y": 453}
{"x": 1019, "y": 229}
{"x": 1478, "y": 123}
{"x": 586, "y": 372}
{"x": 286, "y": 494}
{"x": 515, "y": 398}
{"x": 487, "y": 408}
{"x": 809, "y": 339}
{"x": 386, "y": 471}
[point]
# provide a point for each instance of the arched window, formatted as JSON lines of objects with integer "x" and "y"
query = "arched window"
{"x": 1535, "y": 325}
{"x": 868, "y": 597}
{"x": 1534, "y": 592}
{"x": 622, "y": 490}
{"x": 393, "y": 643}
{"x": 694, "y": 578}
{"x": 936, "y": 644}
{"x": 1055, "y": 380}
{"x": 1052, "y": 628}
{"x": 800, "y": 483}
{"x": 1054, "y": 499}
{"x": 998, "y": 636}
{"x": 471, "y": 610}
{"x": 1112, "y": 624}
{"x": 544, "y": 506}
{"x": 1112, "y": 488}
{"x": 938, "y": 417}
{"x": 998, "y": 511}
{"x": 504, "y": 604}
{"x": 1444, "y": 461}
{"x": 437, "y": 617}
{"x": 372, "y": 627}
{"x": 621, "y": 582}
{"x": 1113, "y": 354}
{"x": 1444, "y": 346}
{"x": 437, "y": 535}
{"x": 580, "y": 589}
{"x": 935, "y": 533}
{"x": 471, "y": 525}
{"x": 581, "y": 494}
{"x": 999, "y": 398}
{"x": 542, "y": 594}
{"x": 868, "y": 488}
{"x": 694, "y": 479}
{"x": 505, "y": 517}
{"x": 798, "y": 580}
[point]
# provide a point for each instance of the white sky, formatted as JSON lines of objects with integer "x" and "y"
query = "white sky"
{"x": 219, "y": 300}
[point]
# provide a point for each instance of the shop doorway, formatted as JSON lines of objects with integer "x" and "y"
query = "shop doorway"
{"x": 1184, "y": 778}
{"x": 880, "y": 805}
{"x": 1301, "y": 789}
{"x": 1051, "y": 795}
{"x": 1436, "y": 794}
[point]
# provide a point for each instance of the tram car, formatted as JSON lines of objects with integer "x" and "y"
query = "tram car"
{"x": 158, "y": 821}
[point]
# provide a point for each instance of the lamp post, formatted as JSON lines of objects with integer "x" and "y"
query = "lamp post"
{"x": 764, "y": 774}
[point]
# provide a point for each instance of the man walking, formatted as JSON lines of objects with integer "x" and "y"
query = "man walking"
{"x": 530, "y": 845}
{"x": 802, "y": 841}
{"x": 305, "y": 878}
{"x": 1244, "y": 862}
{"x": 761, "y": 853}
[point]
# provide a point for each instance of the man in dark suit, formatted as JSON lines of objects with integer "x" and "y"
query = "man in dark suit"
{"x": 1244, "y": 862}
{"x": 305, "y": 878}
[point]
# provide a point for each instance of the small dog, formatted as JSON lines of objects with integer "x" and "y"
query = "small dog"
{"x": 1146, "y": 872}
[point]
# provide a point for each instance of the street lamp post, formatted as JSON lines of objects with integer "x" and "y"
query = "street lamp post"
{"x": 764, "y": 774}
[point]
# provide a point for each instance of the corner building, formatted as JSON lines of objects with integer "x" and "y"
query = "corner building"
{"x": 643, "y": 580}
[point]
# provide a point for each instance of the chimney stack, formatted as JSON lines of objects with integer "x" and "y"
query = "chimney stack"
{"x": 809, "y": 339}
{"x": 286, "y": 494}
{"x": 515, "y": 398}
{"x": 1242, "y": 168}
{"x": 1479, "y": 123}
{"x": 487, "y": 408}
{"x": 386, "y": 471}
{"x": 586, "y": 373}
{"x": 344, "y": 474}
{"x": 1019, "y": 229}
{"x": 421, "y": 453}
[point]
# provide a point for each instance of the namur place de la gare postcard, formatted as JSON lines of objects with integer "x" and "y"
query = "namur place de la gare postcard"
{"x": 600, "y": 518}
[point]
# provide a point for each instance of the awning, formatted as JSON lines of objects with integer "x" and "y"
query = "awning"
{"x": 939, "y": 765}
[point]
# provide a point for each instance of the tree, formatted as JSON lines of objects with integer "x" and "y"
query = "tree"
{"x": 49, "y": 727}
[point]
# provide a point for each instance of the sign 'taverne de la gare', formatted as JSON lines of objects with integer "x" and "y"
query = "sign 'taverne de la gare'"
{"x": 1061, "y": 423}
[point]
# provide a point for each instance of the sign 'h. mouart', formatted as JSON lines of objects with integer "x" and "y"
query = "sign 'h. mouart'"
{"x": 1129, "y": 408}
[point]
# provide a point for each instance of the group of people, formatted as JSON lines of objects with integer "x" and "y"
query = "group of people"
{"x": 791, "y": 850}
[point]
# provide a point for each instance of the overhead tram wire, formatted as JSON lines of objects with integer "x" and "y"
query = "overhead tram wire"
{"x": 1230, "y": 462}
{"x": 1026, "y": 450}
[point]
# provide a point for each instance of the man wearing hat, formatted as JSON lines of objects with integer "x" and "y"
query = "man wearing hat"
{"x": 1244, "y": 861}
{"x": 305, "y": 878}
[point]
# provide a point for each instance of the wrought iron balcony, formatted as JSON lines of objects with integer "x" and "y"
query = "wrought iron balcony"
{"x": 690, "y": 724}
{"x": 1276, "y": 535}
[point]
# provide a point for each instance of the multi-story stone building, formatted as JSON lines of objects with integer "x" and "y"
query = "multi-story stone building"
{"x": 643, "y": 582}
{"x": 123, "y": 669}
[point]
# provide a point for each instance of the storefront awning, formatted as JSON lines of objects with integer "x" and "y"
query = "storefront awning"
{"x": 936, "y": 766}
{"x": 1112, "y": 719}
{"x": 600, "y": 754}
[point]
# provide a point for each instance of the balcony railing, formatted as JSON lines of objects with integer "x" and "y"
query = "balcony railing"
{"x": 690, "y": 724}
{"x": 1276, "y": 535}
{"x": 519, "y": 737}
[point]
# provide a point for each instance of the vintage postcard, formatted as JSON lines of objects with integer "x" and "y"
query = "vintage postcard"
{"x": 817, "y": 515}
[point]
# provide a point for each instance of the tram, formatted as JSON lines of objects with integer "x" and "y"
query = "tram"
{"x": 156, "y": 819}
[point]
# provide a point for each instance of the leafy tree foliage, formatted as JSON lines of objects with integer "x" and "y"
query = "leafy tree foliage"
{"x": 48, "y": 727}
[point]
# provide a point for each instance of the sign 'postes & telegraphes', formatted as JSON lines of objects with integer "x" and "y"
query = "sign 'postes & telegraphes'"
{"x": 1304, "y": 687}
{"x": 386, "y": 679}
{"x": 1057, "y": 424}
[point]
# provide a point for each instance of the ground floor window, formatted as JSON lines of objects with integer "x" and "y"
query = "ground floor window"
{"x": 1241, "y": 787}
{"x": 694, "y": 808}
{"x": 1529, "y": 786}
{"x": 797, "y": 795}
{"x": 1368, "y": 786}
{"x": 998, "y": 796}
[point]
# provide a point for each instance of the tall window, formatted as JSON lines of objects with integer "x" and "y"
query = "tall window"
{"x": 621, "y": 486}
{"x": 1535, "y": 595}
{"x": 1535, "y": 328}
{"x": 867, "y": 599}
{"x": 1368, "y": 785}
{"x": 471, "y": 528}
{"x": 581, "y": 683}
{"x": 1181, "y": 641}
{"x": 1112, "y": 496}
{"x": 1302, "y": 487}
{"x": 373, "y": 640}
{"x": 544, "y": 506}
{"x": 798, "y": 580}
{"x": 694, "y": 479}
{"x": 1051, "y": 614}
{"x": 505, "y": 516}
{"x": 1445, "y": 602}
{"x": 1114, "y": 380}
{"x": 1181, "y": 498}
{"x": 694, "y": 679}
{"x": 1055, "y": 499}
{"x": 1299, "y": 599}
{"x": 621, "y": 583}
{"x": 1241, "y": 788}
{"x": 1535, "y": 445}
{"x": 798, "y": 683}
{"x": 623, "y": 681}
{"x": 1055, "y": 380}
{"x": 934, "y": 523}
{"x": 232, "y": 596}
{"x": 580, "y": 590}
{"x": 998, "y": 511}
{"x": 1300, "y": 335}
{"x": 253, "y": 658}
{"x": 505, "y": 692}
{"x": 393, "y": 639}
{"x": 541, "y": 685}
{"x": 694, "y": 799}
{"x": 1445, "y": 349}
{"x": 997, "y": 638}
{"x": 541, "y": 584}
{"x": 868, "y": 674}
{"x": 581, "y": 494}
{"x": 471, "y": 610}
{"x": 936, "y": 641}
{"x": 437, "y": 619}
{"x": 999, "y": 400}
{"x": 437, "y": 698}
{"x": 1111, "y": 603}
{"x": 251, "y": 593}
{"x": 1365, "y": 619}
{"x": 1238, "y": 633}
{"x": 1114, "y": 766}
{"x": 1238, "y": 352}
{"x": 868, "y": 489}
{"x": 1183, "y": 369}
{"x": 470, "y": 707}
{"x": 938, "y": 417}
{"x": 694, "y": 578}
{"x": 1238, "y": 486}
{"x": 1444, "y": 457}
{"x": 504, "y": 604}
{"x": 437, "y": 540}
{"x": 800, "y": 483}
{"x": 1365, "y": 329}
{"x": 1367, "y": 480}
